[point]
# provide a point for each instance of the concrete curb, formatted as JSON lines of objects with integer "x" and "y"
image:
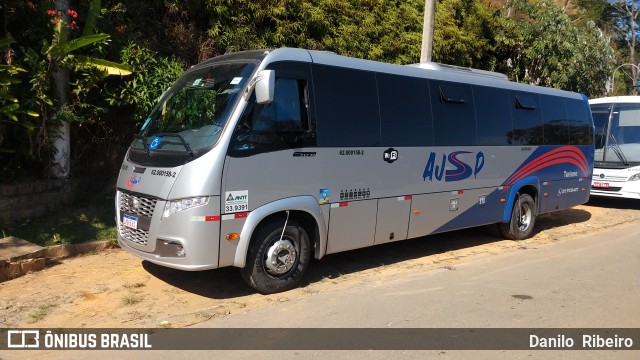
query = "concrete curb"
{"x": 19, "y": 265}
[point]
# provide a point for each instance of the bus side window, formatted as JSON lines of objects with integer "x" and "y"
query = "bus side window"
{"x": 346, "y": 107}
{"x": 527, "y": 119}
{"x": 283, "y": 113}
{"x": 454, "y": 115}
{"x": 580, "y": 126}
{"x": 404, "y": 104}
{"x": 279, "y": 125}
{"x": 556, "y": 123}
{"x": 493, "y": 115}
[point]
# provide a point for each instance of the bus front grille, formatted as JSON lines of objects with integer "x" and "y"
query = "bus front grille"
{"x": 140, "y": 206}
{"x": 137, "y": 205}
{"x": 614, "y": 178}
{"x": 609, "y": 189}
{"x": 137, "y": 236}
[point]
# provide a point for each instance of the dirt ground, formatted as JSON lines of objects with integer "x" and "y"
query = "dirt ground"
{"x": 115, "y": 289}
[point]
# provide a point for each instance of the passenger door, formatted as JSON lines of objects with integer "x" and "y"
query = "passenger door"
{"x": 269, "y": 155}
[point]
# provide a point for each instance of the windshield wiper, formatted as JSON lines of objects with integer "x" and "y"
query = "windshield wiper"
{"x": 144, "y": 143}
{"x": 182, "y": 141}
{"x": 616, "y": 149}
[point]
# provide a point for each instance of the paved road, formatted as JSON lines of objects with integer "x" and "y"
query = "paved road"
{"x": 589, "y": 282}
{"x": 586, "y": 282}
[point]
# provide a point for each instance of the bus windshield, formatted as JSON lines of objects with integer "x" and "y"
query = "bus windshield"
{"x": 617, "y": 133}
{"x": 192, "y": 113}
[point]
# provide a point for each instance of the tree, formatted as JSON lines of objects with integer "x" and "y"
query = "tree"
{"x": 464, "y": 34}
{"x": 62, "y": 58}
{"x": 543, "y": 47}
{"x": 9, "y": 103}
{"x": 627, "y": 12}
{"x": 599, "y": 11}
{"x": 372, "y": 29}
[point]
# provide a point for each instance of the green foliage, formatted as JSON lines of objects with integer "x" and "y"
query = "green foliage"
{"x": 9, "y": 104}
{"x": 464, "y": 33}
{"x": 600, "y": 12}
{"x": 152, "y": 75}
{"x": 63, "y": 54}
{"x": 58, "y": 49}
{"x": 543, "y": 47}
{"x": 373, "y": 29}
{"x": 530, "y": 40}
{"x": 62, "y": 71}
{"x": 389, "y": 31}
{"x": 18, "y": 122}
{"x": 41, "y": 312}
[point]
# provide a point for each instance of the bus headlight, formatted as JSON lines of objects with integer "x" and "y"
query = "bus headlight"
{"x": 174, "y": 206}
{"x": 635, "y": 177}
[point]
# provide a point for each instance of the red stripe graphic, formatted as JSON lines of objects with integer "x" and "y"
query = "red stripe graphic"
{"x": 565, "y": 154}
{"x": 570, "y": 152}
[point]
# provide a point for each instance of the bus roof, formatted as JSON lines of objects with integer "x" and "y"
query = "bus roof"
{"x": 433, "y": 71}
{"x": 428, "y": 70}
{"x": 615, "y": 99}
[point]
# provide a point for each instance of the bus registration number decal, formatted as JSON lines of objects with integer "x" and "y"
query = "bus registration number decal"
{"x": 349, "y": 152}
{"x": 130, "y": 221}
{"x": 236, "y": 201}
{"x": 598, "y": 184}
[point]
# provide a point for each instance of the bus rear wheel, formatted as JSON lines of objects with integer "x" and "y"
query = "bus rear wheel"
{"x": 523, "y": 218}
{"x": 278, "y": 258}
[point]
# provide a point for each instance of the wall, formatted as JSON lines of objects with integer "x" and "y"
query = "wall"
{"x": 19, "y": 202}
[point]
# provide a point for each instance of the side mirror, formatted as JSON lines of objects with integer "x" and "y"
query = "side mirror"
{"x": 265, "y": 85}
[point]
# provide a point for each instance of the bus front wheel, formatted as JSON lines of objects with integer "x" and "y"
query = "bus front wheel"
{"x": 523, "y": 217}
{"x": 278, "y": 258}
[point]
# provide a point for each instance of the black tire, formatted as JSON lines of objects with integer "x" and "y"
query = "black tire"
{"x": 523, "y": 218}
{"x": 277, "y": 261}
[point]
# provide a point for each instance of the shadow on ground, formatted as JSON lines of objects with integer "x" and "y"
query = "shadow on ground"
{"x": 227, "y": 283}
{"x": 560, "y": 218}
{"x": 614, "y": 203}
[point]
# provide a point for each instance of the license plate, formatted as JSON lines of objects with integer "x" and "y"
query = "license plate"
{"x": 598, "y": 184}
{"x": 130, "y": 221}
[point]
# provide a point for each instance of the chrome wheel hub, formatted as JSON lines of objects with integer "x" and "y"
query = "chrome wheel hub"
{"x": 524, "y": 219}
{"x": 281, "y": 256}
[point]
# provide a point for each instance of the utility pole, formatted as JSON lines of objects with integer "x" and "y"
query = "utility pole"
{"x": 427, "y": 30}
{"x": 60, "y": 75}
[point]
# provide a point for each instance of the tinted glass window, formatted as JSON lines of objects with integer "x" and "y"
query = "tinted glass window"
{"x": 624, "y": 134}
{"x": 281, "y": 124}
{"x": 454, "y": 121}
{"x": 527, "y": 119}
{"x": 493, "y": 115}
{"x": 195, "y": 109}
{"x": 555, "y": 121}
{"x": 301, "y": 72}
{"x": 347, "y": 107}
{"x": 580, "y": 127}
{"x": 283, "y": 113}
{"x": 600, "y": 114}
{"x": 405, "y": 111}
